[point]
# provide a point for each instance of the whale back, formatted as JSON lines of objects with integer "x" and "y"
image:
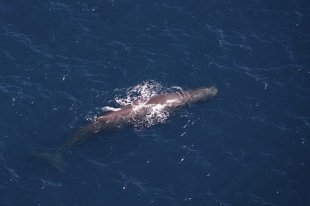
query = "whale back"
{"x": 164, "y": 99}
{"x": 184, "y": 97}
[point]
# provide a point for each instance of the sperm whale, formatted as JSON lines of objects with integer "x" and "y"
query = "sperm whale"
{"x": 127, "y": 116}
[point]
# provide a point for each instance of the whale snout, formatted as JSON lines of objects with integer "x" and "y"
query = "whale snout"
{"x": 207, "y": 92}
{"x": 211, "y": 91}
{"x": 203, "y": 94}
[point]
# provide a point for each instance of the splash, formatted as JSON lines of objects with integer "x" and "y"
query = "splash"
{"x": 140, "y": 93}
{"x": 137, "y": 96}
{"x": 155, "y": 114}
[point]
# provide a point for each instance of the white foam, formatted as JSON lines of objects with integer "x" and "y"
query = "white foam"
{"x": 138, "y": 95}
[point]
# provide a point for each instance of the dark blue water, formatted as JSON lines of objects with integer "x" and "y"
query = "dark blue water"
{"x": 61, "y": 61}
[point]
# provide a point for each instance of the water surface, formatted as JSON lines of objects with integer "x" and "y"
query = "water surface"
{"x": 62, "y": 61}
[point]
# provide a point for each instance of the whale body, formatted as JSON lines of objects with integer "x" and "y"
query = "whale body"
{"x": 126, "y": 116}
{"x": 129, "y": 114}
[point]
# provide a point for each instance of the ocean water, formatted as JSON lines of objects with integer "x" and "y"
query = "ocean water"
{"x": 62, "y": 61}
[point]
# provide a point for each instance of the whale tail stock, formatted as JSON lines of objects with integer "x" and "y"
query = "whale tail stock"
{"x": 53, "y": 156}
